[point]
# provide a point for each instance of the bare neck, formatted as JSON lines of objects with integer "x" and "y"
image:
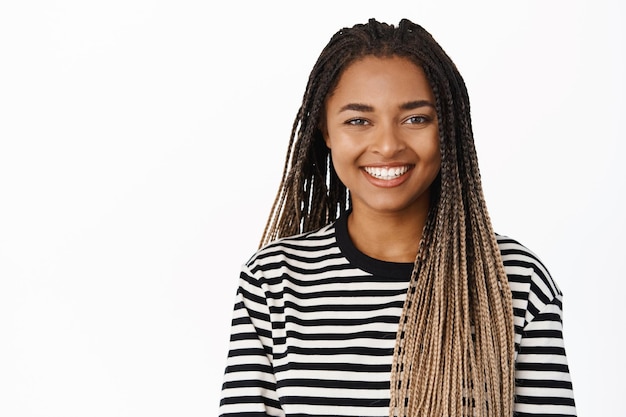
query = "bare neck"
{"x": 393, "y": 237}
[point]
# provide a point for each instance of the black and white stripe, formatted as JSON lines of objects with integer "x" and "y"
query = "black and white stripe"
{"x": 315, "y": 323}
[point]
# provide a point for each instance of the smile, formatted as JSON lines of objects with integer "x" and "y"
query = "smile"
{"x": 387, "y": 173}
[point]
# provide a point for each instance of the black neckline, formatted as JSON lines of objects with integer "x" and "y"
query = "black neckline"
{"x": 396, "y": 270}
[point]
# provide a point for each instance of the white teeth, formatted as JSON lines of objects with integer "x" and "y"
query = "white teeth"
{"x": 386, "y": 173}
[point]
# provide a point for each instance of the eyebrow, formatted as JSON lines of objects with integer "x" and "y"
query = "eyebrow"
{"x": 416, "y": 104}
{"x": 357, "y": 107}
{"x": 409, "y": 105}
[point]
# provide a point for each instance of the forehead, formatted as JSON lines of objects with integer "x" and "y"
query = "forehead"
{"x": 373, "y": 77}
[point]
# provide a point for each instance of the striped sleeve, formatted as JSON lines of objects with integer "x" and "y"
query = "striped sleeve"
{"x": 542, "y": 381}
{"x": 249, "y": 383}
{"x": 543, "y": 385}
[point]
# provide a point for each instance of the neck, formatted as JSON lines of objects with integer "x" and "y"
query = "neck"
{"x": 392, "y": 237}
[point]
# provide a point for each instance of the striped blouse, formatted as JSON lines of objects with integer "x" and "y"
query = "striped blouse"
{"x": 315, "y": 321}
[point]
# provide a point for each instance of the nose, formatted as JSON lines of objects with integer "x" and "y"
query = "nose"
{"x": 387, "y": 141}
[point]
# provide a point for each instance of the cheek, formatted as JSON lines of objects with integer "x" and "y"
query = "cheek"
{"x": 437, "y": 157}
{"x": 342, "y": 149}
{"x": 338, "y": 158}
{"x": 431, "y": 159}
{"x": 432, "y": 166}
{"x": 431, "y": 154}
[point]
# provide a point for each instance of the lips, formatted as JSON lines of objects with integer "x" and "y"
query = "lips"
{"x": 387, "y": 173}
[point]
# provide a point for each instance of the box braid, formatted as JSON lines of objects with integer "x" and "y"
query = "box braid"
{"x": 454, "y": 348}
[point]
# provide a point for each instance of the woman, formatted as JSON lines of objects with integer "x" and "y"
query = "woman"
{"x": 381, "y": 288}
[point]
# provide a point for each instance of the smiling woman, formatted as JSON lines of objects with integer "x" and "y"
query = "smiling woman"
{"x": 380, "y": 287}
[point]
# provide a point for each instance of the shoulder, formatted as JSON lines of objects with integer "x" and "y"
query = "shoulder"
{"x": 294, "y": 250}
{"x": 532, "y": 286}
{"x": 520, "y": 261}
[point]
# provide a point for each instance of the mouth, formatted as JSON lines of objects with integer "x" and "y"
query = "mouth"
{"x": 387, "y": 173}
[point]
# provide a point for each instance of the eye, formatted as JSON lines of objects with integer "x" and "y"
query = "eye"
{"x": 416, "y": 120}
{"x": 357, "y": 122}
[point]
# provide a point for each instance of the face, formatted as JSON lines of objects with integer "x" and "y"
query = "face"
{"x": 382, "y": 130}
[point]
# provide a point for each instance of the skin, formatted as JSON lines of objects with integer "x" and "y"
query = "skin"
{"x": 381, "y": 116}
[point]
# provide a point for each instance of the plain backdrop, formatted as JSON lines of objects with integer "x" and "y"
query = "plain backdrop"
{"x": 141, "y": 146}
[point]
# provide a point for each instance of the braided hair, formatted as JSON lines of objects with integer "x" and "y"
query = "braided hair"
{"x": 454, "y": 352}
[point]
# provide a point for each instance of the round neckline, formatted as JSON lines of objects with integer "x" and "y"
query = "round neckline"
{"x": 397, "y": 270}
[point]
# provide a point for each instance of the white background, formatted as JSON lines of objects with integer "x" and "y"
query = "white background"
{"x": 141, "y": 144}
